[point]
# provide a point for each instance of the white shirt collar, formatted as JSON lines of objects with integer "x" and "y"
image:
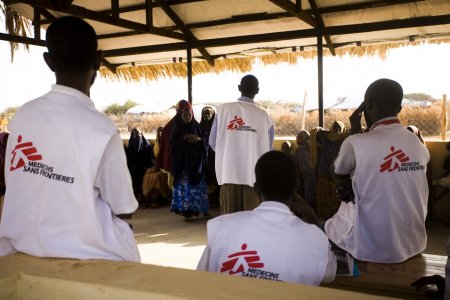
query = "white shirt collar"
{"x": 385, "y": 121}
{"x": 246, "y": 99}
{"x": 273, "y": 205}
{"x": 57, "y": 88}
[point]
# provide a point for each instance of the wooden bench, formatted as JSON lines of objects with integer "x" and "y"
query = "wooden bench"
{"x": 393, "y": 280}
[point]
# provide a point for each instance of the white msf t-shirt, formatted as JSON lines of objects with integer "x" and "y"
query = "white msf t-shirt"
{"x": 66, "y": 179}
{"x": 241, "y": 138}
{"x": 268, "y": 242}
{"x": 387, "y": 165}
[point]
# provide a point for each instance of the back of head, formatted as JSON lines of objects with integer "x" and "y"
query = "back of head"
{"x": 249, "y": 86}
{"x": 276, "y": 176}
{"x": 386, "y": 96}
{"x": 72, "y": 45}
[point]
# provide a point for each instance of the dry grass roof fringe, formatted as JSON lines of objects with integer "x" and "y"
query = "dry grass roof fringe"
{"x": 244, "y": 65}
{"x": 15, "y": 24}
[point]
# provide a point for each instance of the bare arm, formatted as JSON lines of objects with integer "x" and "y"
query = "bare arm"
{"x": 355, "y": 119}
{"x": 303, "y": 210}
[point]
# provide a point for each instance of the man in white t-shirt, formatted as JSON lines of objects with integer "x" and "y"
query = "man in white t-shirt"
{"x": 270, "y": 242}
{"x": 65, "y": 168}
{"x": 240, "y": 134}
{"x": 384, "y": 221}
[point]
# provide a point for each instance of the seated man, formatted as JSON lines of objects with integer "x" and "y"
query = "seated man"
{"x": 65, "y": 167}
{"x": 384, "y": 220}
{"x": 269, "y": 242}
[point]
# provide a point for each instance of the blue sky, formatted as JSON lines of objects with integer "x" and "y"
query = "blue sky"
{"x": 418, "y": 69}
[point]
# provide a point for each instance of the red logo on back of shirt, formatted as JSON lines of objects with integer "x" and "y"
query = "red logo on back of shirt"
{"x": 240, "y": 261}
{"x": 24, "y": 151}
{"x": 394, "y": 160}
{"x": 235, "y": 123}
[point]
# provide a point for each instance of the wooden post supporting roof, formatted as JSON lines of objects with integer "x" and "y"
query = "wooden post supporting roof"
{"x": 320, "y": 77}
{"x": 189, "y": 73}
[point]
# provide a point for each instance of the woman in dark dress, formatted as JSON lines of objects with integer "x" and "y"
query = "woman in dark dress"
{"x": 139, "y": 158}
{"x": 188, "y": 146}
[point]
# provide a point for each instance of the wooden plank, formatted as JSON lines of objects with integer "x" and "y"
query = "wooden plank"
{"x": 393, "y": 279}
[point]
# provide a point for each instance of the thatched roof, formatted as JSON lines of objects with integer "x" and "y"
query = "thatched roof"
{"x": 149, "y": 41}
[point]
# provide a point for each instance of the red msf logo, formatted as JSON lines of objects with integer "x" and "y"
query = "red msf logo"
{"x": 23, "y": 152}
{"x": 235, "y": 123}
{"x": 393, "y": 160}
{"x": 238, "y": 262}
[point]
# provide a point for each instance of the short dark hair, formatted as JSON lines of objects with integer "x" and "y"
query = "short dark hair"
{"x": 276, "y": 175}
{"x": 249, "y": 84}
{"x": 72, "y": 44}
{"x": 387, "y": 94}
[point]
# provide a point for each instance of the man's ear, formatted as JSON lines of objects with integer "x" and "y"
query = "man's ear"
{"x": 399, "y": 110}
{"x": 98, "y": 60}
{"x": 239, "y": 88}
{"x": 257, "y": 91}
{"x": 48, "y": 61}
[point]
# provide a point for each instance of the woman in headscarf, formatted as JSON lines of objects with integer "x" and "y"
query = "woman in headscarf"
{"x": 188, "y": 146}
{"x": 139, "y": 158}
{"x": 156, "y": 146}
{"x": 305, "y": 171}
{"x": 208, "y": 115}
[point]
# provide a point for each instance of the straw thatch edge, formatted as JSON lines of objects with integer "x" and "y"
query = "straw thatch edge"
{"x": 244, "y": 64}
{"x": 15, "y": 24}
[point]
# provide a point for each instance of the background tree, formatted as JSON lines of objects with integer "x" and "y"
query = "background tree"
{"x": 419, "y": 97}
{"x": 117, "y": 109}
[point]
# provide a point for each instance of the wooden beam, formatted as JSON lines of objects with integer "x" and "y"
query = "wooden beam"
{"x": 232, "y": 20}
{"x": 115, "y": 9}
{"x": 48, "y": 16}
{"x": 320, "y": 77}
{"x": 298, "y": 5}
{"x": 180, "y": 24}
{"x": 363, "y": 5}
{"x": 82, "y": 12}
{"x": 109, "y": 66}
{"x": 285, "y": 35}
{"x": 37, "y": 23}
{"x": 20, "y": 39}
{"x": 321, "y": 25}
{"x": 241, "y": 19}
{"x": 148, "y": 14}
{"x": 290, "y": 7}
{"x": 189, "y": 73}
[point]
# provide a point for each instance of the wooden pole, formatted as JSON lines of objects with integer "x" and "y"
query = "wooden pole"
{"x": 189, "y": 73}
{"x": 444, "y": 118}
{"x": 302, "y": 127}
{"x": 320, "y": 77}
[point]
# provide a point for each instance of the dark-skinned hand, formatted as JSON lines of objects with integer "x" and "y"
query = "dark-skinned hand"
{"x": 437, "y": 280}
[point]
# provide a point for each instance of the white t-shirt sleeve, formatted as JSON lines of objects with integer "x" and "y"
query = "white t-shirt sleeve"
{"x": 330, "y": 270}
{"x": 345, "y": 163}
{"x": 203, "y": 264}
{"x": 113, "y": 178}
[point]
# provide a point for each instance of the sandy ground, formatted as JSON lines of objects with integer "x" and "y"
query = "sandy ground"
{"x": 166, "y": 239}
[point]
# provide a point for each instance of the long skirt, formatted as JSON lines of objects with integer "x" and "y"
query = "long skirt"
{"x": 189, "y": 200}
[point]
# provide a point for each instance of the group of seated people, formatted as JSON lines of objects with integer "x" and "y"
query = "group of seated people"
{"x": 76, "y": 209}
